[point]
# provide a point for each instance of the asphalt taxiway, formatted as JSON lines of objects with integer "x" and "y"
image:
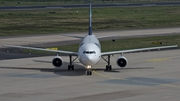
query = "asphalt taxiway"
{"x": 149, "y": 76}
{"x": 43, "y": 40}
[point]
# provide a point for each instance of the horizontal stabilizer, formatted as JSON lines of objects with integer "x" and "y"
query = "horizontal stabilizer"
{"x": 99, "y": 37}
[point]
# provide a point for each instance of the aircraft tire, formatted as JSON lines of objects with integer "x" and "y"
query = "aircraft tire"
{"x": 89, "y": 72}
{"x": 108, "y": 67}
{"x": 70, "y": 67}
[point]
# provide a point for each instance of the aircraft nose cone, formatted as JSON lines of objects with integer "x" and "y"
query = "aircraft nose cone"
{"x": 89, "y": 57}
{"x": 89, "y": 60}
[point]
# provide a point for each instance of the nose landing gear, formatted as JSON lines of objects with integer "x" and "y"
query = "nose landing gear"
{"x": 89, "y": 71}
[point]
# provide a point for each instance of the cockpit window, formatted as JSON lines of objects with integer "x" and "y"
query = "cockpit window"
{"x": 89, "y": 52}
{"x": 97, "y": 45}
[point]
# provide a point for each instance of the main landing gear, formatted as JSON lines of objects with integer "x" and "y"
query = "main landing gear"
{"x": 71, "y": 60}
{"x": 108, "y": 67}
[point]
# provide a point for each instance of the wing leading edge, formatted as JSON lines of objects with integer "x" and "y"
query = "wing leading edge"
{"x": 137, "y": 50}
{"x": 42, "y": 49}
{"x": 103, "y": 53}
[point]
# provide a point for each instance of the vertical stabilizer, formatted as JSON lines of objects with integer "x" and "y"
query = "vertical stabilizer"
{"x": 90, "y": 20}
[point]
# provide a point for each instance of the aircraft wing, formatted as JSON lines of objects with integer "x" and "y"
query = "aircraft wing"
{"x": 137, "y": 50}
{"x": 42, "y": 49}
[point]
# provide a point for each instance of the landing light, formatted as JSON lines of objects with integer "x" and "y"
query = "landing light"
{"x": 88, "y": 67}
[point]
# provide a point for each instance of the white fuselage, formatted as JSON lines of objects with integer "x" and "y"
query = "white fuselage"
{"x": 89, "y": 52}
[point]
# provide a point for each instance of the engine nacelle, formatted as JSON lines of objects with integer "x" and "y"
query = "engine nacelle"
{"x": 122, "y": 61}
{"x": 57, "y": 61}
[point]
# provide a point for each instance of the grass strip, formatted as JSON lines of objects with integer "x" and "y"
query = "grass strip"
{"x": 60, "y": 2}
{"x": 50, "y": 21}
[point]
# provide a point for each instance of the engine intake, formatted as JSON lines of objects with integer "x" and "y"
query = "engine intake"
{"x": 122, "y": 61}
{"x": 57, "y": 61}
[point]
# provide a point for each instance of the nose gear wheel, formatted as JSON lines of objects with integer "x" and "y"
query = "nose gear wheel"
{"x": 89, "y": 72}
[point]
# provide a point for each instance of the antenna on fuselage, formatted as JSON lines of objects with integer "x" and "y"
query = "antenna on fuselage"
{"x": 90, "y": 19}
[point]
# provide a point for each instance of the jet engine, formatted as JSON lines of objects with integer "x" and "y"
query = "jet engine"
{"x": 57, "y": 61}
{"x": 122, "y": 61}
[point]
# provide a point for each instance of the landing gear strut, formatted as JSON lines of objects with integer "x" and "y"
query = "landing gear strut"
{"x": 70, "y": 66}
{"x": 108, "y": 66}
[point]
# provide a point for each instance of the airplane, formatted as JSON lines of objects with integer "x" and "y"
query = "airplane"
{"x": 89, "y": 52}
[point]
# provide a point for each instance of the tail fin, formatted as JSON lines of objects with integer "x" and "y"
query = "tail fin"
{"x": 90, "y": 20}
